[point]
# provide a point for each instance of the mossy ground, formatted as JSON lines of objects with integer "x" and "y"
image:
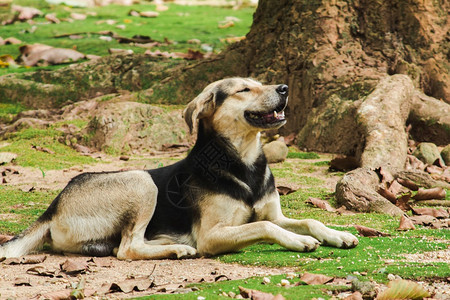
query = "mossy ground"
{"x": 372, "y": 260}
{"x": 178, "y": 24}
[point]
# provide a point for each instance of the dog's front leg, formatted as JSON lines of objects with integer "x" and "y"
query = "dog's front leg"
{"x": 223, "y": 227}
{"x": 223, "y": 239}
{"x": 270, "y": 209}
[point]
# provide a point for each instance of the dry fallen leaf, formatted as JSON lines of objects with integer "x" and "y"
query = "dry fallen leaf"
{"x": 42, "y": 271}
{"x": 5, "y": 238}
{"x": 226, "y": 25}
{"x": 71, "y": 266}
{"x": 408, "y": 184}
{"x": 428, "y": 194}
{"x": 25, "y": 12}
{"x": 149, "y": 14}
{"x": 423, "y": 220}
{"x": 22, "y": 281}
{"x": 320, "y": 203}
{"x": 406, "y": 224}
{"x": 7, "y": 157}
{"x": 437, "y": 213}
{"x": 355, "y": 296}
{"x": 369, "y": 232}
{"x": 386, "y": 193}
{"x": 129, "y": 285}
{"x": 42, "y": 149}
{"x": 402, "y": 201}
{"x": 52, "y": 18}
{"x": 403, "y": 289}
{"x": 258, "y": 295}
{"x": 285, "y": 190}
{"x": 312, "y": 279}
{"x": 77, "y": 16}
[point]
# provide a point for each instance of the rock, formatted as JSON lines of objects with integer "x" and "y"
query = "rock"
{"x": 445, "y": 154}
{"x": 427, "y": 152}
{"x": 275, "y": 151}
{"x": 130, "y": 127}
{"x": 7, "y": 157}
{"x": 366, "y": 288}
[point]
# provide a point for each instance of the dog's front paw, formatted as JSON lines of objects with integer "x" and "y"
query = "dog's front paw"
{"x": 302, "y": 243}
{"x": 341, "y": 239}
{"x": 183, "y": 251}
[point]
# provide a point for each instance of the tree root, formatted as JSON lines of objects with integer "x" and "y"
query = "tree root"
{"x": 382, "y": 119}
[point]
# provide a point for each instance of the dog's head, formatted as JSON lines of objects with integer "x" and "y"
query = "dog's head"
{"x": 239, "y": 104}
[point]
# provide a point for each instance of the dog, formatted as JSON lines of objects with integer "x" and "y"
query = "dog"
{"x": 219, "y": 199}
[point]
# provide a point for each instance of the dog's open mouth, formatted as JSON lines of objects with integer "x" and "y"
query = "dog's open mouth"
{"x": 270, "y": 118}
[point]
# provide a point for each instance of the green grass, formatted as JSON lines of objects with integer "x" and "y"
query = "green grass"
{"x": 19, "y": 209}
{"x": 9, "y": 110}
{"x": 179, "y": 24}
{"x": 22, "y": 143}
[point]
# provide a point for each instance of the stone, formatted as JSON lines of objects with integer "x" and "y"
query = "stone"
{"x": 275, "y": 151}
{"x": 445, "y": 154}
{"x": 427, "y": 152}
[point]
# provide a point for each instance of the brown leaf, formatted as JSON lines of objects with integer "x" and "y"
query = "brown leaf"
{"x": 285, "y": 190}
{"x": 258, "y": 295}
{"x": 58, "y": 295}
{"x": 42, "y": 271}
{"x": 402, "y": 202}
{"x": 403, "y": 289}
{"x": 312, "y": 279}
{"x": 408, "y": 184}
{"x": 71, "y": 266}
{"x": 226, "y": 25}
{"x": 5, "y": 238}
{"x": 395, "y": 187}
{"x": 77, "y": 16}
{"x": 129, "y": 285}
{"x": 355, "y": 296}
{"x": 434, "y": 170}
{"x": 386, "y": 176}
{"x": 423, "y": 220}
{"x": 388, "y": 195}
{"x": 414, "y": 163}
{"x": 22, "y": 281}
{"x": 320, "y": 203}
{"x": 52, "y": 18}
{"x": 428, "y": 194}
{"x": 406, "y": 224}
{"x": 33, "y": 259}
{"x": 437, "y": 213}
{"x": 344, "y": 211}
{"x": 149, "y": 14}
{"x": 369, "y": 232}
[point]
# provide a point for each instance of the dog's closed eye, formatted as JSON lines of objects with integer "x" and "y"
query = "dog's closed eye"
{"x": 244, "y": 90}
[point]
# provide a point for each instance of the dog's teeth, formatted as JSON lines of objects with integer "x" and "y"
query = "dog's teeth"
{"x": 275, "y": 114}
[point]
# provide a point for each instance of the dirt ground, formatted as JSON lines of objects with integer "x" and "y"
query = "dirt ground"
{"x": 107, "y": 276}
{"x": 32, "y": 278}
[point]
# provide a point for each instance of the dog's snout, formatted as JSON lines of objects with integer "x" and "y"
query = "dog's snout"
{"x": 282, "y": 89}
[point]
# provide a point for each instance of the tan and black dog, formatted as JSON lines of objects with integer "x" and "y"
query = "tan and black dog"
{"x": 219, "y": 199}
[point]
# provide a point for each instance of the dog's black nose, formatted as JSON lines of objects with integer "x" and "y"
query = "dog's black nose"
{"x": 282, "y": 89}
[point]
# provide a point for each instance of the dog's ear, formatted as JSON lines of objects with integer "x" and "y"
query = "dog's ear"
{"x": 202, "y": 106}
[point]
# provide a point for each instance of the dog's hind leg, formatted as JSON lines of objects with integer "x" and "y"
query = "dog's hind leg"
{"x": 133, "y": 245}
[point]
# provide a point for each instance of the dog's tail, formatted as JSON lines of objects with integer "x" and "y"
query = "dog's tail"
{"x": 31, "y": 239}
